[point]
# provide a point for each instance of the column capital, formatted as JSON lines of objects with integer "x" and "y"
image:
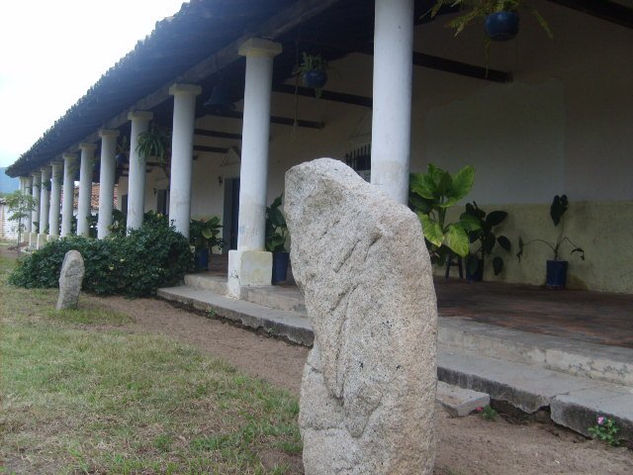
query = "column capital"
{"x": 88, "y": 147}
{"x": 46, "y": 172}
{"x": 56, "y": 165}
{"x": 140, "y": 115}
{"x": 69, "y": 157}
{"x": 108, "y": 133}
{"x": 180, "y": 88}
{"x": 36, "y": 175}
{"x": 254, "y": 47}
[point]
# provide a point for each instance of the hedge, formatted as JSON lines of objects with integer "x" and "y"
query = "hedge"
{"x": 150, "y": 257}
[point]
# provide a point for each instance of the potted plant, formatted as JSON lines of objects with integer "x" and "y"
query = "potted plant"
{"x": 500, "y": 17}
{"x": 556, "y": 276}
{"x": 276, "y": 239}
{"x": 203, "y": 235}
{"x": 484, "y": 234}
{"x": 313, "y": 72}
{"x": 431, "y": 194}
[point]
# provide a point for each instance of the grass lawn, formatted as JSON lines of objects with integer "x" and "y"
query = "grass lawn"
{"x": 82, "y": 394}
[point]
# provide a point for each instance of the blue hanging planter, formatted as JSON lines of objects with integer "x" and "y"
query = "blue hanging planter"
{"x": 502, "y": 26}
{"x": 314, "y": 79}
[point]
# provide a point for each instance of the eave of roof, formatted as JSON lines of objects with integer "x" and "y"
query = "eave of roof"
{"x": 200, "y": 28}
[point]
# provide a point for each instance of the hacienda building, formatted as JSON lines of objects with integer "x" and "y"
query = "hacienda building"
{"x": 535, "y": 117}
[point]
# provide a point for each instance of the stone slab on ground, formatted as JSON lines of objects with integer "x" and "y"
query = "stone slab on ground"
{"x": 290, "y": 325}
{"x": 578, "y": 409}
{"x": 458, "y": 401}
{"x": 527, "y": 387}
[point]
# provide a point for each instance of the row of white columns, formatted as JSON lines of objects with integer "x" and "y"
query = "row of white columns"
{"x": 46, "y": 191}
{"x": 249, "y": 264}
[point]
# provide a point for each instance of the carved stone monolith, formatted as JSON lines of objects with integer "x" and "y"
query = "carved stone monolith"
{"x": 70, "y": 280}
{"x": 368, "y": 389}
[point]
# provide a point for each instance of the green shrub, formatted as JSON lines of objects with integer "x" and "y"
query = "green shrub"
{"x": 135, "y": 265}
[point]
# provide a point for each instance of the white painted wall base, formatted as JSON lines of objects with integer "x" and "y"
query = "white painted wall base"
{"x": 248, "y": 268}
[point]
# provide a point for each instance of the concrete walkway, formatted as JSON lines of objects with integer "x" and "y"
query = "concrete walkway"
{"x": 576, "y": 382}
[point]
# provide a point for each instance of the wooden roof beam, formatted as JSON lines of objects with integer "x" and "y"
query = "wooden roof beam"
{"x": 275, "y": 119}
{"x": 604, "y": 9}
{"x": 217, "y": 133}
{"x": 326, "y": 95}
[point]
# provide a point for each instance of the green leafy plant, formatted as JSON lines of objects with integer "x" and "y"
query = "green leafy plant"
{"x": 484, "y": 234}
{"x": 20, "y": 206}
{"x": 487, "y": 413}
{"x": 276, "y": 228}
{"x": 557, "y": 211}
{"x": 431, "y": 194}
{"x": 605, "y": 430}
{"x": 204, "y": 233}
{"x": 479, "y": 9}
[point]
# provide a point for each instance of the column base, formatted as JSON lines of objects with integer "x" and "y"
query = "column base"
{"x": 248, "y": 268}
{"x": 42, "y": 239}
{"x": 32, "y": 240}
{"x": 52, "y": 238}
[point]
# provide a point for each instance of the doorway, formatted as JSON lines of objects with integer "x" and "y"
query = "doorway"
{"x": 231, "y": 211}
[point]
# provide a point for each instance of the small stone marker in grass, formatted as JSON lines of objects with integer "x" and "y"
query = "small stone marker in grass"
{"x": 368, "y": 388}
{"x": 70, "y": 279}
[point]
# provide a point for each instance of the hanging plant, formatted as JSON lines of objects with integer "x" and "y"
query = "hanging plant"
{"x": 313, "y": 72}
{"x": 500, "y": 17}
{"x": 152, "y": 143}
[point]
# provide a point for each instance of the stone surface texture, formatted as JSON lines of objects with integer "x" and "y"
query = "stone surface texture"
{"x": 368, "y": 388}
{"x": 70, "y": 279}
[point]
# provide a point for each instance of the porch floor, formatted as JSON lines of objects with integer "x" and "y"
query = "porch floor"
{"x": 596, "y": 317}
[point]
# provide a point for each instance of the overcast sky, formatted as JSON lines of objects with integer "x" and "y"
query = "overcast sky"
{"x": 52, "y": 51}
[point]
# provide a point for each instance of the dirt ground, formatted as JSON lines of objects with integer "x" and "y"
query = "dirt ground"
{"x": 469, "y": 445}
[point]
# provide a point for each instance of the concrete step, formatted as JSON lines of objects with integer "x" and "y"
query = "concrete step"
{"x": 574, "y": 401}
{"x": 290, "y": 325}
{"x": 578, "y": 358}
{"x": 205, "y": 281}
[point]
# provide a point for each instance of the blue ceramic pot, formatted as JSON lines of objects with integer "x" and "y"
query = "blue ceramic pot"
{"x": 502, "y": 26}
{"x": 280, "y": 267}
{"x": 314, "y": 79}
{"x": 201, "y": 259}
{"x": 556, "y": 274}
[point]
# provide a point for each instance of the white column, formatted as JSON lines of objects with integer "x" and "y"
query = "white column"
{"x": 250, "y": 264}
{"x": 106, "y": 181}
{"x": 44, "y": 205}
{"x": 70, "y": 161}
{"x": 35, "y": 193}
{"x": 53, "y": 215}
{"x": 28, "y": 186}
{"x": 85, "y": 187}
{"x": 136, "y": 181}
{"x": 182, "y": 155}
{"x": 391, "y": 119}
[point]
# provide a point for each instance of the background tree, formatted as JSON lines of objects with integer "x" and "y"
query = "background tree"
{"x": 20, "y": 206}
